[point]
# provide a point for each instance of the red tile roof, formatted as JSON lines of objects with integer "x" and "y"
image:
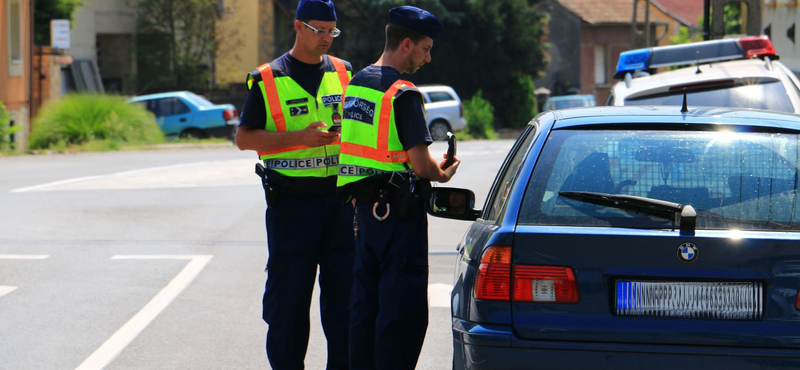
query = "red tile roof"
{"x": 685, "y": 11}
{"x": 604, "y": 11}
{"x": 621, "y": 11}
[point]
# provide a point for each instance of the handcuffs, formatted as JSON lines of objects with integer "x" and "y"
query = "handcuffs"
{"x": 381, "y": 196}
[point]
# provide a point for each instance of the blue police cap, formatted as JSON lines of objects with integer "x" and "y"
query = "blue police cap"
{"x": 417, "y": 19}
{"x": 316, "y": 10}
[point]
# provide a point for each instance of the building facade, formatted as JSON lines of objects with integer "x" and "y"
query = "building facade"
{"x": 601, "y": 33}
{"x": 16, "y": 34}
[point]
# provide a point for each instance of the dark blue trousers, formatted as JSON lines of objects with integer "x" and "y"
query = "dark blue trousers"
{"x": 389, "y": 301}
{"x": 303, "y": 232}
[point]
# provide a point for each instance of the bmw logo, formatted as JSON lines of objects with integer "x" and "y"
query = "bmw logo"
{"x": 687, "y": 252}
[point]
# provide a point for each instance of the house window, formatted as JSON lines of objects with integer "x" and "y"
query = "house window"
{"x": 600, "y": 65}
{"x": 15, "y": 38}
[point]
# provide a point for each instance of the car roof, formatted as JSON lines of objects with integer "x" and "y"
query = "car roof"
{"x": 570, "y": 97}
{"x": 604, "y": 115}
{"x": 736, "y": 69}
{"x": 169, "y": 94}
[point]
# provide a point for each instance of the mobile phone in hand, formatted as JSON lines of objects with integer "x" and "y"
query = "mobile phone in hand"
{"x": 335, "y": 128}
{"x": 451, "y": 149}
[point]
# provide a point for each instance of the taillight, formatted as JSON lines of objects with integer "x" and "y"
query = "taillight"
{"x": 494, "y": 274}
{"x": 460, "y": 110}
{"x": 538, "y": 284}
{"x": 228, "y": 114}
{"x": 756, "y": 46}
{"x": 797, "y": 301}
{"x": 545, "y": 284}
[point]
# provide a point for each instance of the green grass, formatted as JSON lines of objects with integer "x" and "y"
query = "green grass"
{"x": 82, "y": 122}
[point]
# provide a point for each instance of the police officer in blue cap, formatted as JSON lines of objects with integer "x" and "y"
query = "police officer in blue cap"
{"x": 293, "y": 106}
{"x": 386, "y": 166}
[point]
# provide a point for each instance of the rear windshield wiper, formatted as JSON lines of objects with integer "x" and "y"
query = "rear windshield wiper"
{"x": 684, "y": 215}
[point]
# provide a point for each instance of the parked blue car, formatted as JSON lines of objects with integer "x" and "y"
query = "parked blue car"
{"x": 187, "y": 115}
{"x": 634, "y": 238}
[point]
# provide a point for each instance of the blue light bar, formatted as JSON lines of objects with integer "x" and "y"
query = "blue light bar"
{"x": 633, "y": 60}
{"x": 703, "y": 52}
{"x": 692, "y": 53}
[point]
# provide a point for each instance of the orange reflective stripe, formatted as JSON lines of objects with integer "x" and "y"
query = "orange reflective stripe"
{"x": 381, "y": 152}
{"x": 396, "y": 156}
{"x": 386, "y": 113}
{"x": 341, "y": 70}
{"x": 272, "y": 97}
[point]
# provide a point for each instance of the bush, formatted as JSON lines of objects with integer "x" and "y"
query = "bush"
{"x": 521, "y": 101}
{"x": 80, "y": 119}
{"x": 479, "y": 114}
{"x": 6, "y": 130}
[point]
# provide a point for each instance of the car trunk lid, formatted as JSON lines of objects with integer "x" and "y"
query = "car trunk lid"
{"x": 643, "y": 286}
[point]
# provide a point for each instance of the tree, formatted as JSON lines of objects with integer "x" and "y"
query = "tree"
{"x": 47, "y": 10}
{"x": 485, "y": 44}
{"x": 177, "y": 43}
{"x": 732, "y": 16}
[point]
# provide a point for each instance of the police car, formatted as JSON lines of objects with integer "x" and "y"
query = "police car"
{"x": 634, "y": 238}
{"x": 739, "y": 73}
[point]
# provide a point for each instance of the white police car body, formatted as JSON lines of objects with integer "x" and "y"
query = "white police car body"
{"x": 738, "y": 73}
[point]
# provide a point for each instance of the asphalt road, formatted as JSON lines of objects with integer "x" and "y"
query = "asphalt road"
{"x": 155, "y": 260}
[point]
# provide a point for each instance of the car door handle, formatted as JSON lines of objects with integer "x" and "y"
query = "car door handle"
{"x": 183, "y": 119}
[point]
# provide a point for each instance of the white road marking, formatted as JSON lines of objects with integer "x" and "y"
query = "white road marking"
{"x": 196, "y": 174}
{"x": 109, "y": 350}
{"x": 6, "y": 289}
{"x": 23, "y": 256}
{"x": 439, "y": 295}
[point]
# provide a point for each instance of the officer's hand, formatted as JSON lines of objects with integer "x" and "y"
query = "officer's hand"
{"x": 450, "y": 171}
{"x": 442, "y": 164}
{"x": 311, "y": 136}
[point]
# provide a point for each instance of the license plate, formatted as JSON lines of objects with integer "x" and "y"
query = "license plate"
{"x": 705, "y": 300}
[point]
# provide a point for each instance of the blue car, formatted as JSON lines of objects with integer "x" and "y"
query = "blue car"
{"x": 634, "y": 238}
{"x": 188, "y": 115}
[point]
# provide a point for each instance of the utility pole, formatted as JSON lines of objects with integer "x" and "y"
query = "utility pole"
{"x": 706, "y": 20}
{"x": 31, "y": 44}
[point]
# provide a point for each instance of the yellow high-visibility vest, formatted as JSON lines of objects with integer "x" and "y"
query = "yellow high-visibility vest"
{"x": 291, "y": 108}
{"x": 370, "y": 143}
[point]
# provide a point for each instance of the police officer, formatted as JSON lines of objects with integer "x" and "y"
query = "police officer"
{"x": 386, "y": 166}
{"x": 292, "y": 104}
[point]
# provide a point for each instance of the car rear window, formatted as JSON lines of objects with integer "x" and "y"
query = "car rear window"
{"x": 437, "y": 96}
{"x": 768, "y": 96}
{"x": 739, "y": 180}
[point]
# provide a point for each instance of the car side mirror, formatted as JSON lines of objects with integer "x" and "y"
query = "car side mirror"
{"x": 454, "y": 203}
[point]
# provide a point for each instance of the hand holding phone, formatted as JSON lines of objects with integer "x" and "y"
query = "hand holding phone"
{"x": 335, "y": 128}
{"x": 451, "y": 150}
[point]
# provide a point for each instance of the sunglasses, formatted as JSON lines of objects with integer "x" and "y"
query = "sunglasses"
{"x": 334, "y": 33}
